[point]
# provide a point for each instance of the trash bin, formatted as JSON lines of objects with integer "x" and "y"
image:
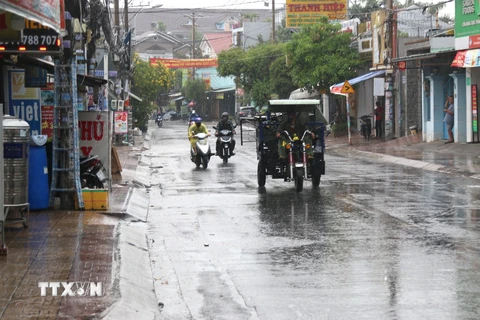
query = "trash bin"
{"x": 38, "y": 189}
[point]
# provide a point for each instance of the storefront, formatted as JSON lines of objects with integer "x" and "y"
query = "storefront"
{"x": 467, "y": 60}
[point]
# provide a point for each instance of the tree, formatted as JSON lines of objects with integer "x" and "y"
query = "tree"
{"x": 252, "y": 69}
{"x": 284, "y": 34}
{"x": 280, "y": 80}
{"x": 196, "y": 90}
{"x": 320, "y": 56}
{"x": 161, "y": 26}
{"x": 149, "y": 83}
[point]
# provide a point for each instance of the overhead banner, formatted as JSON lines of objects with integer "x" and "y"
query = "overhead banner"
{"x": 24, "y": 103}
{"x": 48, "y": 13}
{"x": 184, "y": 63}
{"x": 301, "y": 12}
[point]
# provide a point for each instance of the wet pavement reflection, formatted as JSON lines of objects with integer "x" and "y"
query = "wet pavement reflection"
{"x": 375, "y": 241}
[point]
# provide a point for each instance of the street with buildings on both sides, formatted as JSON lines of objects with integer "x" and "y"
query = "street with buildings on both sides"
{"x": 391, "y": 233}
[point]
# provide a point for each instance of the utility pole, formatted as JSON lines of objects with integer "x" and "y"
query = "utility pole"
{"x": 116, "y": 13}
{"x": 193, "y": 18}
{"x": 273, "y": 21}
{"x": 389, "y": 123}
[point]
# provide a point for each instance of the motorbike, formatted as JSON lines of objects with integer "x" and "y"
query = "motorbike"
{"x": 203, "y": 151}
{"x": 225, "y": 148}
{"x": 93, "y": 174}
{"x": 297, "y": 167}
{"x": 159, "y": 121}
{"x": 366, "y": 126}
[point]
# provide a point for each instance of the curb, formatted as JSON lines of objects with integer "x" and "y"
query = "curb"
{"x": 138, "y": 300}
{"x": 371, "y": 156}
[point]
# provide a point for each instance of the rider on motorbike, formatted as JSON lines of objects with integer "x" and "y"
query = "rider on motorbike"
{"x": 225, "y": 124}
{"x": 193, "y": 116}
{"x": 195, "y": 128}
{"x": 293, "y": 127}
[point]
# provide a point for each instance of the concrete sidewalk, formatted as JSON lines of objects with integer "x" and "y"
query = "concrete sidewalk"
{"x": 455, "y": 158}
{"x": 84, "y": 247}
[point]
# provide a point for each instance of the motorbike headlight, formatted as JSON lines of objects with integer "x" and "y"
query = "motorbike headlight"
{"x": 307, "y": 146}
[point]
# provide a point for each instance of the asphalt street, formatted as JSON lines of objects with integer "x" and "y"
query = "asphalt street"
{"x": 376, "y": 241}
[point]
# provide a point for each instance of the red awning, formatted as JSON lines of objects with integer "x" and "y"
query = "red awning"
{"x": 459, "y": 60}
{"x": 48, "y": 13}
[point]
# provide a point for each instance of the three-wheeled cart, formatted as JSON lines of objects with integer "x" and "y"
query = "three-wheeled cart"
{"x": 297, "y": 168}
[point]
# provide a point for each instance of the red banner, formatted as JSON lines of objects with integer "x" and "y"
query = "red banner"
{"x": 184, "y": 63}
{"x": 459, "y": 60}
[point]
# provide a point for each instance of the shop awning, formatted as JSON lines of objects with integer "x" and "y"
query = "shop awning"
{"x": 177, "y": 98}
{"x": 50, "y": 67}
{"x": 337, "y": 88}
{"x": 135, "y": 97}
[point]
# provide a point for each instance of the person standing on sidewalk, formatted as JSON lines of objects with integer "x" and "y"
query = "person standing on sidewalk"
{"x": 449, "y": 120}
{"x": 378, "y": 119}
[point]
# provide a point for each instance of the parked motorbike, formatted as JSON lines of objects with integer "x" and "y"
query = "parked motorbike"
{"x": 226, "y": 143}
{"x": 297, "y": 164}
{"x": 93, "y": 174}
{"x": 366, "y": 126}
{"x": 203, "y": 151}
{"x": 159, "y": 121}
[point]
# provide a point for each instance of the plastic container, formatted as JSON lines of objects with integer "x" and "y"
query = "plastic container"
{"x": 38, "y": 189}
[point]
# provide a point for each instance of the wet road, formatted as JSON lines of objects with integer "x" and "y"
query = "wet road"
{"x": 375, "y": 241}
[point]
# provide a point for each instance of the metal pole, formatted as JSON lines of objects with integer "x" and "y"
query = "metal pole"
{"x": 348, "y": 120}
{"x": 273, "y": 21}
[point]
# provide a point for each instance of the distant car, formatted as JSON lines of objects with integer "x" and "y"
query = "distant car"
{"x": 247, "y": 112}
{"x": 171, "y": 115}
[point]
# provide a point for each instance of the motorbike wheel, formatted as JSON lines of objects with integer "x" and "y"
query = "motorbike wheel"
{"x": 299, "y": 179}
{"x": 261, "y": 175}
{"x": 225, "y": 159}
{"x": 198, "y": 161}
{"x": 205, "y": 162}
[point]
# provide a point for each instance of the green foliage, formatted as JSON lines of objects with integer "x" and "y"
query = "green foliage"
{"x": 280, "y": 80}
{"x": 161, "y": 26}
{"x": 320, "y": 56}
{"x": 149, "y": 82}
{"x": 195, "y": 89}
{"x": 253, "y": 69}
{"x": 141, "y": 113}
{"x": 282, "y": 33}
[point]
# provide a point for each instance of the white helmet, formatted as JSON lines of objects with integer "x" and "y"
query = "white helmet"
{"x": 193, "y": 111}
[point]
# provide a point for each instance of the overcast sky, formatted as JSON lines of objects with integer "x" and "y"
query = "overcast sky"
{"x": 244, "y": 4}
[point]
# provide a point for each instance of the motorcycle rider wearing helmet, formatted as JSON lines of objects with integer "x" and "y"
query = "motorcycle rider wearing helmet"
{"x": 293, "y": 127}
{"x": 197, "y": 127}
{"x": 193, "y": 116}
{"x": 225, "y": 124}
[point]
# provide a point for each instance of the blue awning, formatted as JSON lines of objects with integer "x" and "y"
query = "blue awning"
{"x": 337, "y": 88}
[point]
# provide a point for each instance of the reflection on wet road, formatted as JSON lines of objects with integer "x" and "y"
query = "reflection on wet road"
{"x": 375, "y": 241}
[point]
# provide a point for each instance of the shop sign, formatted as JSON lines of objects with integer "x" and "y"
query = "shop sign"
{"x": 47, "y": 102}
{"x": 309, "y": 12}
{"x": 120, "y": 122}
{"x": 24, "y": 103}
{"x": 94, "y": 135}
{"x": 35, "y": 77}
{"x": 35, "y": 38}
{"x": 49, "y": 13}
